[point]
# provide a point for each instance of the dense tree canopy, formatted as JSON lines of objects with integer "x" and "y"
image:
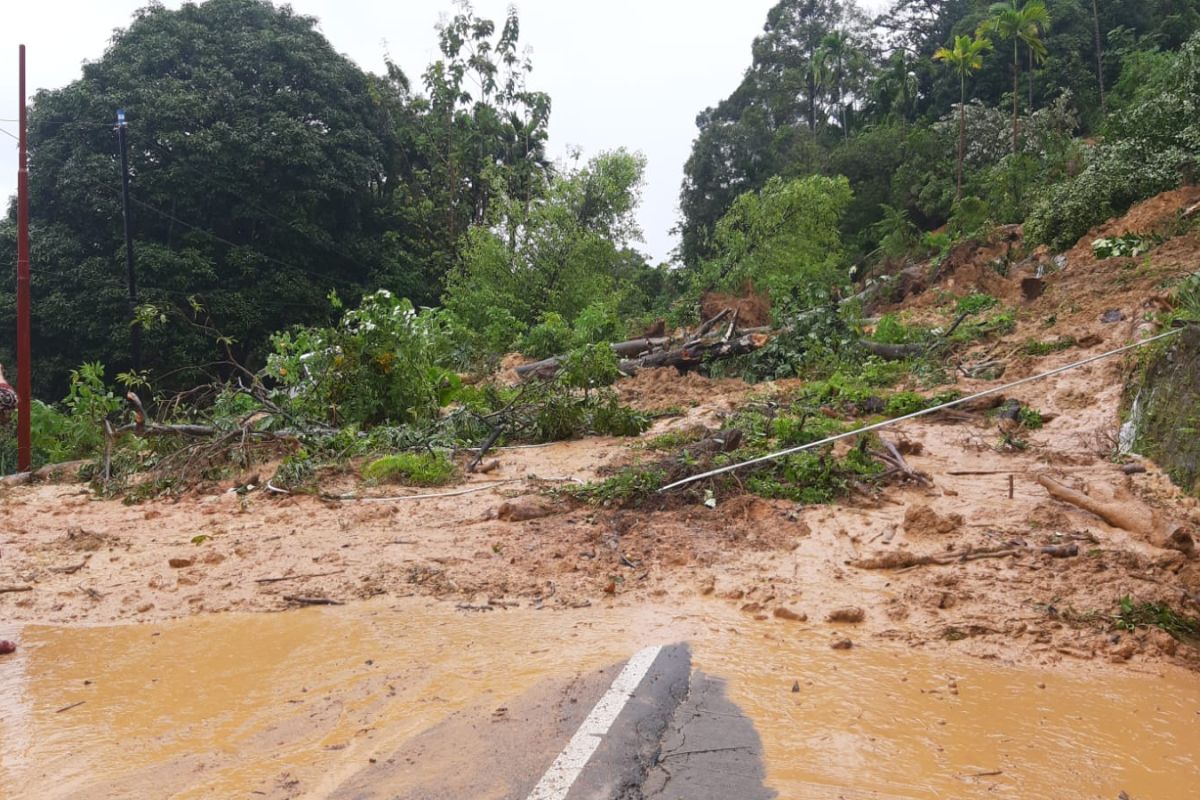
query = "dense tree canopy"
{"x": 830, "y": 93}
{"x": 267, "y": 170}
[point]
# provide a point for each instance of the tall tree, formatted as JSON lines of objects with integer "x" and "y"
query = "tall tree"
{"x": 1022, "y": 23}
{"x": 966, "y": 57}
{"x": 1099, "y": 53}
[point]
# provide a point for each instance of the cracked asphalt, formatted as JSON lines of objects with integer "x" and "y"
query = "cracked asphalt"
{"x": 677, "y": 736}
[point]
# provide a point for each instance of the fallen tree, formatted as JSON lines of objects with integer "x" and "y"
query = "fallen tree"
{"x": 1127, "y": 514}
{"x": 686, "y": 353}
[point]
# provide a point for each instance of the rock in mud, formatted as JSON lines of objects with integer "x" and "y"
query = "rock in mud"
{"x": 842, "y": 644}
{"x": 848, "y": 614}
{"x": 180, "y": 563}
{"x": 919, "y": 519}
{"x": 524, "y": 509}
{"x": 7, "y": 647}
{"x": 782, "y": 612}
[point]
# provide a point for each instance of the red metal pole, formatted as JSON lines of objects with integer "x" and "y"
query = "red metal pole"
{"x": 24, "y": 379}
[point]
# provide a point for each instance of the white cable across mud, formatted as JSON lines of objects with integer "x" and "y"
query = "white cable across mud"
{"x": 914, "y": 415}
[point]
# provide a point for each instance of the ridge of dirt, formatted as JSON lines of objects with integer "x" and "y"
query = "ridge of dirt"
{"x": 89, "y": 561}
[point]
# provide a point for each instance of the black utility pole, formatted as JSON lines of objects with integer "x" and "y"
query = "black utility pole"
{"x": 135, "y": 330}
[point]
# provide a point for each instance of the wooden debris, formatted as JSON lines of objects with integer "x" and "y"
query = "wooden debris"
{"x": 298, "y": 577}
{"x": 8, "y": 589}
{"x": 1127, "y": 514}
{"x": 312, "y": 601}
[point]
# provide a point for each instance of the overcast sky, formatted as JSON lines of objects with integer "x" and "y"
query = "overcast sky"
{"x": 630, "y": 73}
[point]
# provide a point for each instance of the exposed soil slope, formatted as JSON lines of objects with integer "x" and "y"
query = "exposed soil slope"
{"x": 87, "y": 560}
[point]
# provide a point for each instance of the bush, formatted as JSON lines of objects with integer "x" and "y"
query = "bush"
{"x": 550, "y": 337}
{"x": 411, "y": 469}
{"x": 380, "y": 363}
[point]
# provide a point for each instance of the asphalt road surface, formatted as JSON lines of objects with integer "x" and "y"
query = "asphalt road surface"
{"x": 647, "y": 729}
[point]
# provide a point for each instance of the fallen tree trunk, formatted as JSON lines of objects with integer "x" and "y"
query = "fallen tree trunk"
{"x": 692, "y": 356}
{"x": 892, "y": 352}
{"x": 547, "y": 367}
{"x": 1127, "y": 514}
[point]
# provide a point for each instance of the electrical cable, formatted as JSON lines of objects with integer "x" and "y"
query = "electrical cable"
{"x": 914, "y": 415}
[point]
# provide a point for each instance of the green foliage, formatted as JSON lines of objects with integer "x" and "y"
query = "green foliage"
{"x": 784, "y": 240}
{"x": 1131, "y": 245}
{"x": 550, "y": 337}
{"x": 380, "y": 363}
{"x": 566, "y": 255}
{"x": 1132, "y": 615}
{"x": 674, "y": 440}
{"x": 814, "y": 478}
{"x": 1046, "y": 348}
{"x": 892, "y": 330}
{"x": 1030, "y": 418}
{"x": 896, "y": 232}
{"x": 975, "y": 303}
{"x": 589, "y": 367}
{"x": 412, "y": 469}
{"x": 296, "y": 473}
{"x": 629, "y": 487}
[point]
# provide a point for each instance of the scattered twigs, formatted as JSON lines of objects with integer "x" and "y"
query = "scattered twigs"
{"x": 703, "y": 330}
{"x": 901, "y": 560}
{"x": 495, "y": 434}
{"x": 895, "y": 459}
{"x": 312, "y": 601}
{"x": 299, "y": 577}
{"x": 10, "y": 589}
{"x": 68, "y": 708}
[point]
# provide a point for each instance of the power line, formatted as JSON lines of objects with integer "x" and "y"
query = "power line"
{"x": 914, "y": 415}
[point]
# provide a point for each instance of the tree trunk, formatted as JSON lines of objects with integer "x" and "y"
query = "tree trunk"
{"x": 1016, "y": 89}
{"x": 1099, "y": 53}
{"x": 1031, "y": 80}
{"x": 962, "y": 133}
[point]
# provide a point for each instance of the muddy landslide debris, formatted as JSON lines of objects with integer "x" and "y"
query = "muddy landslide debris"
{"x": 921, "y": 518}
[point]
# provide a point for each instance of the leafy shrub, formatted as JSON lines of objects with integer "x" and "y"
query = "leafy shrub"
{"x": 412, "y": 469}
{"x": 1131, "y": 245}
{"x": 589, "y": 367}
{"x": 380, "y": 363}
{"x": 550, "y": 337}
{"x": 974, "y": 303}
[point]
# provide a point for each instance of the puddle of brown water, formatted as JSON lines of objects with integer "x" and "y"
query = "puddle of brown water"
{"x": 221, "y": 706}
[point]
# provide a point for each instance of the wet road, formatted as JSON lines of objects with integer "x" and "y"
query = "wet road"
{"x": 414, "y": 699}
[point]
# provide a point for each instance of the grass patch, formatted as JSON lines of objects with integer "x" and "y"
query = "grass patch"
{"x": 1035, "y": 348}
{"x": 674, "y": 440}
{"x": 629, "y": 487}
{"x": 1132, "y": 615}
{"x": 974, "y": 303}
{"x": 412, "y": 469}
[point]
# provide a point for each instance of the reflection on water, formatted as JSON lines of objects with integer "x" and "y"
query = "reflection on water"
{"x": 278, "y": 704}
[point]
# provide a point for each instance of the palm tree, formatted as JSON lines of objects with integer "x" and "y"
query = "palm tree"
{"x": 831, "y": 64}
{"x": 967, "y": 56}
{"x": 1024, "y": 23}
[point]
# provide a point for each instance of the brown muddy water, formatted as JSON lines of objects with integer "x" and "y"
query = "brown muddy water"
{"x": 293, "y": 704}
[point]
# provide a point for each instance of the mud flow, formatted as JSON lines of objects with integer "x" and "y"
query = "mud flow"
{"x": 298, "y": 704}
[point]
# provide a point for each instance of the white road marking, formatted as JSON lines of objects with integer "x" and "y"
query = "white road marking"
{"x": 563, "y": 773}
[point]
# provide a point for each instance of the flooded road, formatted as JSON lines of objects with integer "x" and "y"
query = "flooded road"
{"x": 298, "y": 704}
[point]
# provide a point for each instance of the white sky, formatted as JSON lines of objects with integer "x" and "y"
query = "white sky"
{"x": 630, "y": 73}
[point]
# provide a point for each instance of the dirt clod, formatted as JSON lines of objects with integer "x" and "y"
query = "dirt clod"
{"x": 782, "y": 612}
{"x": 181, "y": 563}
{"x": 921, "y": 519}
{"x": 524, "y": 509}
{"x": 852, "y": 614}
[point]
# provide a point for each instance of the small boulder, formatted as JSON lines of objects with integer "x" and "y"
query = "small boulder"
{"x": 852, "y": 614}
{"x": 782, "y": 612}
{"x": 181, "y": 563}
